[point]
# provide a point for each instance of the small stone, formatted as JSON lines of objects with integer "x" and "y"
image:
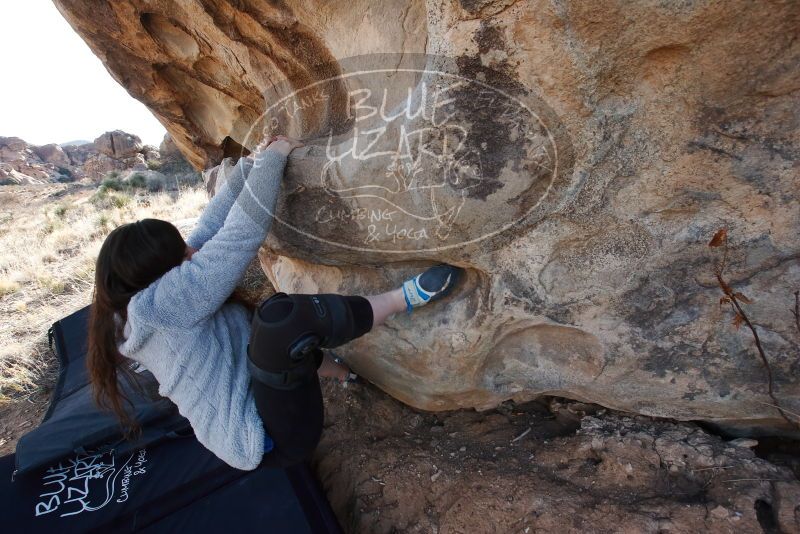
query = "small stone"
{"x": 720, "y": 512}
{"x": 463, "y": 449}
{"x": 746, "y": 443}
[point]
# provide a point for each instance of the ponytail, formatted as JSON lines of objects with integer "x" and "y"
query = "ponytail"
{"x": 132, "y": 257}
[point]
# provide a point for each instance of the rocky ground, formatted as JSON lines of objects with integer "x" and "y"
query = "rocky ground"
{"x": 545, "y": 466}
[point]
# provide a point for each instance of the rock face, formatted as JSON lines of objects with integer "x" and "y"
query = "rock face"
{"x": 577, "y": 162}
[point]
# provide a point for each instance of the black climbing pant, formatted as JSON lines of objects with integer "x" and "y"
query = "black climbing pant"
{"x": 284, "y": 353}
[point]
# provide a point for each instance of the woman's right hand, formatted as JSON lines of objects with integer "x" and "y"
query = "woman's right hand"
{"x": 281, "y": 144}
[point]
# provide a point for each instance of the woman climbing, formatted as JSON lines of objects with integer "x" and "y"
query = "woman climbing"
{"x": 245, "y": 377}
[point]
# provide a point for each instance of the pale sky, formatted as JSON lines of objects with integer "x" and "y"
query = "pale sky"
{"x": 53, "y": 89}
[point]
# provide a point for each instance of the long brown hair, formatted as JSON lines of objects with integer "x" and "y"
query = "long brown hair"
{"x": 132, "y": 257}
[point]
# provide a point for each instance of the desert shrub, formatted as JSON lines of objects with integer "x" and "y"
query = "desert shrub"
{"x": 114, "y": 192}
{"x": 153, "y": 164}
{"x": 105, "y": 198}
{"x": 119, "y": 201}
{"x": 51, "y": 285}
{"x": 137, "y": 181}
{"x": 112, "y": 181}
{"x": 60, "y": 211}
{"x": 7, "y": 287}
{"x": 156, "y": 183}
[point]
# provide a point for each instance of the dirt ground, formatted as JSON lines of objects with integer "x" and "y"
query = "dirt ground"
{"x": 550, "y": 465}
{"x": 544, "y": 466}
{"x": 17, "y": 418}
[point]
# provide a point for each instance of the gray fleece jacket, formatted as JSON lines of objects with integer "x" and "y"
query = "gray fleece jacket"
{"x": 195, "y": 345}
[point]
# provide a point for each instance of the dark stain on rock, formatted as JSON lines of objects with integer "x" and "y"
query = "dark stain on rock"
{"x": 653, "y": 303}
{"x": 674, "y": 359}
{"x": 693, "y": 392}
{"x": 473, "y": 7}
{"x": 522, "y": 293}
{"x": 301, "y": 207}
{"x": 526, "y": 296}
{"x": 699, "y": 144}
{"x": 491, "y": 144}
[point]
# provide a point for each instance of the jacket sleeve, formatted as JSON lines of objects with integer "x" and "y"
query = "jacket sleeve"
{"x": 197, "y": 288}
{"x": 216, "y": 211}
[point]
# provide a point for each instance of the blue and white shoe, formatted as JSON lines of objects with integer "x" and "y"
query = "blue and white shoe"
{"x": 431, "y": 285}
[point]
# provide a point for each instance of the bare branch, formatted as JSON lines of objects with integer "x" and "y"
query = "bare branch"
{"x": 734, "y": 298}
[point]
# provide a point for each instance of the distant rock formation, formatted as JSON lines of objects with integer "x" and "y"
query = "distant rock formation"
{"x": 21, "y": 163}
{"x": 118, "y": 144}
{"x": 117, "y": 151}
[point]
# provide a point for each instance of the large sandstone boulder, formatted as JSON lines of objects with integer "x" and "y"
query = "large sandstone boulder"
{"x": 53, "y": 154}
{"x": 97, "y": 166}
{"x": 115, "y": 151}
{"x": 584, "y": 155}
{"x": 118, "y": 144}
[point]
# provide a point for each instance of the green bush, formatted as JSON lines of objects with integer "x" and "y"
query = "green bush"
{"x": 119, "y": 201}
{"x": 60, "y": 211}
{"x": 105, "y": 198}
{"x": 137, "y": 181}
{"x": 154, "y": 164}
{"x": 112, "y": 181}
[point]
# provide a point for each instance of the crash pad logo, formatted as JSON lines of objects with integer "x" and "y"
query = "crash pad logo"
{"x": 89, "y": 482}
{"x": 415, "y": 154}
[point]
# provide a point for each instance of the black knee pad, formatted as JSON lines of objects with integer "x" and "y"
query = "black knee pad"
{"x": 288, "y": 331}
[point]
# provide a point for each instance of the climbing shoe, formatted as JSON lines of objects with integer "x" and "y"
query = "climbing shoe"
{"x": 431, "y": 285}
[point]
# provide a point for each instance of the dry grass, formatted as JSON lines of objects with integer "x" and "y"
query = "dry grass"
{"x": 49, "y": 237}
